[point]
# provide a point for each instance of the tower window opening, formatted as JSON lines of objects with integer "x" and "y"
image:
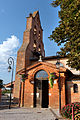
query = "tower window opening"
{"x": 34, "y": 45}
{"x": 39, "y": 35}
{"x": 35, "y": 41}
{"x": 39, "y": 49}
{"x": 35, "y": 30}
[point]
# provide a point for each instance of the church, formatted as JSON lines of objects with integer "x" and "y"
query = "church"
{"x": 36, "y": 90}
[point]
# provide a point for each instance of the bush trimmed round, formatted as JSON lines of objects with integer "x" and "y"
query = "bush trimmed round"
{"x": 66, "y": 111}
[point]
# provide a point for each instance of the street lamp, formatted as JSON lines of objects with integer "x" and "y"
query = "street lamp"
{"x": 58, "y": 67}
{"x": 11, "y": 67}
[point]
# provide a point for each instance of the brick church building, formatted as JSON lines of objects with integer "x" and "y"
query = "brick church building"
{"x": 36, "y": 91}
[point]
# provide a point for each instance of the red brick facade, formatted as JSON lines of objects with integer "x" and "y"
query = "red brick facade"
{"x": 32, "y": 34}
{"x": 53, "y": 92}
{"x": 71, "y": 95}
{"x": 28, "y": 63}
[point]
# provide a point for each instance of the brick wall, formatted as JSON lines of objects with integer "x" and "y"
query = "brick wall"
{"x": 53, "y": 92}
{"x": 73, "y": 97}
{"x": 25, "y": 52}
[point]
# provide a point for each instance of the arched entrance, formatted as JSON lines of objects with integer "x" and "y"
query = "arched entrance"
{"x": 41, "y": 98}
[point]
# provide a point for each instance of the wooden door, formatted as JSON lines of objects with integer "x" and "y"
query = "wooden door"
{"x": 45, "y": 97}
{"x": 38, "y": 94}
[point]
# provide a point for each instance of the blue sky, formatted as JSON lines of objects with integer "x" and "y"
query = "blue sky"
{"x": 13, "y": 15}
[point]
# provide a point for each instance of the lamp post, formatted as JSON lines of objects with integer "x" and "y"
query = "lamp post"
{"x": 58, "y": 67}
{"x": 11, "y": 67}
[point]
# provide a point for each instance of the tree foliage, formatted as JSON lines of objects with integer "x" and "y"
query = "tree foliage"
{"x": 68, "y": 31}
{"x": 66, "y": 111}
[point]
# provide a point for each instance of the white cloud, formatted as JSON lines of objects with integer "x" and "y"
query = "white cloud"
{"x": 7, "y": 49}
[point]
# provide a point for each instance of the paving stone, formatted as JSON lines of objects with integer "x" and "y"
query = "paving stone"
{"x": 26, "y": 114}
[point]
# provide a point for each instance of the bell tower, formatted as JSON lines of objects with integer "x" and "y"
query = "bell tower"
{"x": 32, "y": 47}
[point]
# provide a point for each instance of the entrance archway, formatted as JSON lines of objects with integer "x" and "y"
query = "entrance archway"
{"x": 41, "y": 98}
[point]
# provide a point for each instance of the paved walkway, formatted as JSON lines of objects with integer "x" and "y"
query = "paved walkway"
{"x": 28, "y": 114}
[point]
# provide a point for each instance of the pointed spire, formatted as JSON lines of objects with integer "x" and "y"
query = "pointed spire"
{"x": 34, "y": 13}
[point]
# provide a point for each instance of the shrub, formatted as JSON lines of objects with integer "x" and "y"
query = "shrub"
{"x": 5, "y": 91}
{"x": 66, "y": 111}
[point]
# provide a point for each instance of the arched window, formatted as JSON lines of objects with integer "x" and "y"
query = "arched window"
{"x": 41, "y": 75}
{"x": 75, "y": 88}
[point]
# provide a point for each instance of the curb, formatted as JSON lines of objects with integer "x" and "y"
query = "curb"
{"x": 57, "y": 118}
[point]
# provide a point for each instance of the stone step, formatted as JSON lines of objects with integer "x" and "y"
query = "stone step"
{"x": 6, "y": 103}
{"x": 7, "y": 99}
{"x": 7, "y": 106}
{"x": 4, "y": 107}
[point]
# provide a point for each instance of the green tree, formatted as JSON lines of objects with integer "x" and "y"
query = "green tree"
{"x": 68, "y": 31}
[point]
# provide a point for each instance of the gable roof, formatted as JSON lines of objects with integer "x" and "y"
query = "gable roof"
{"x": 47, "y": 64}
{"x": 38, "y": 64}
